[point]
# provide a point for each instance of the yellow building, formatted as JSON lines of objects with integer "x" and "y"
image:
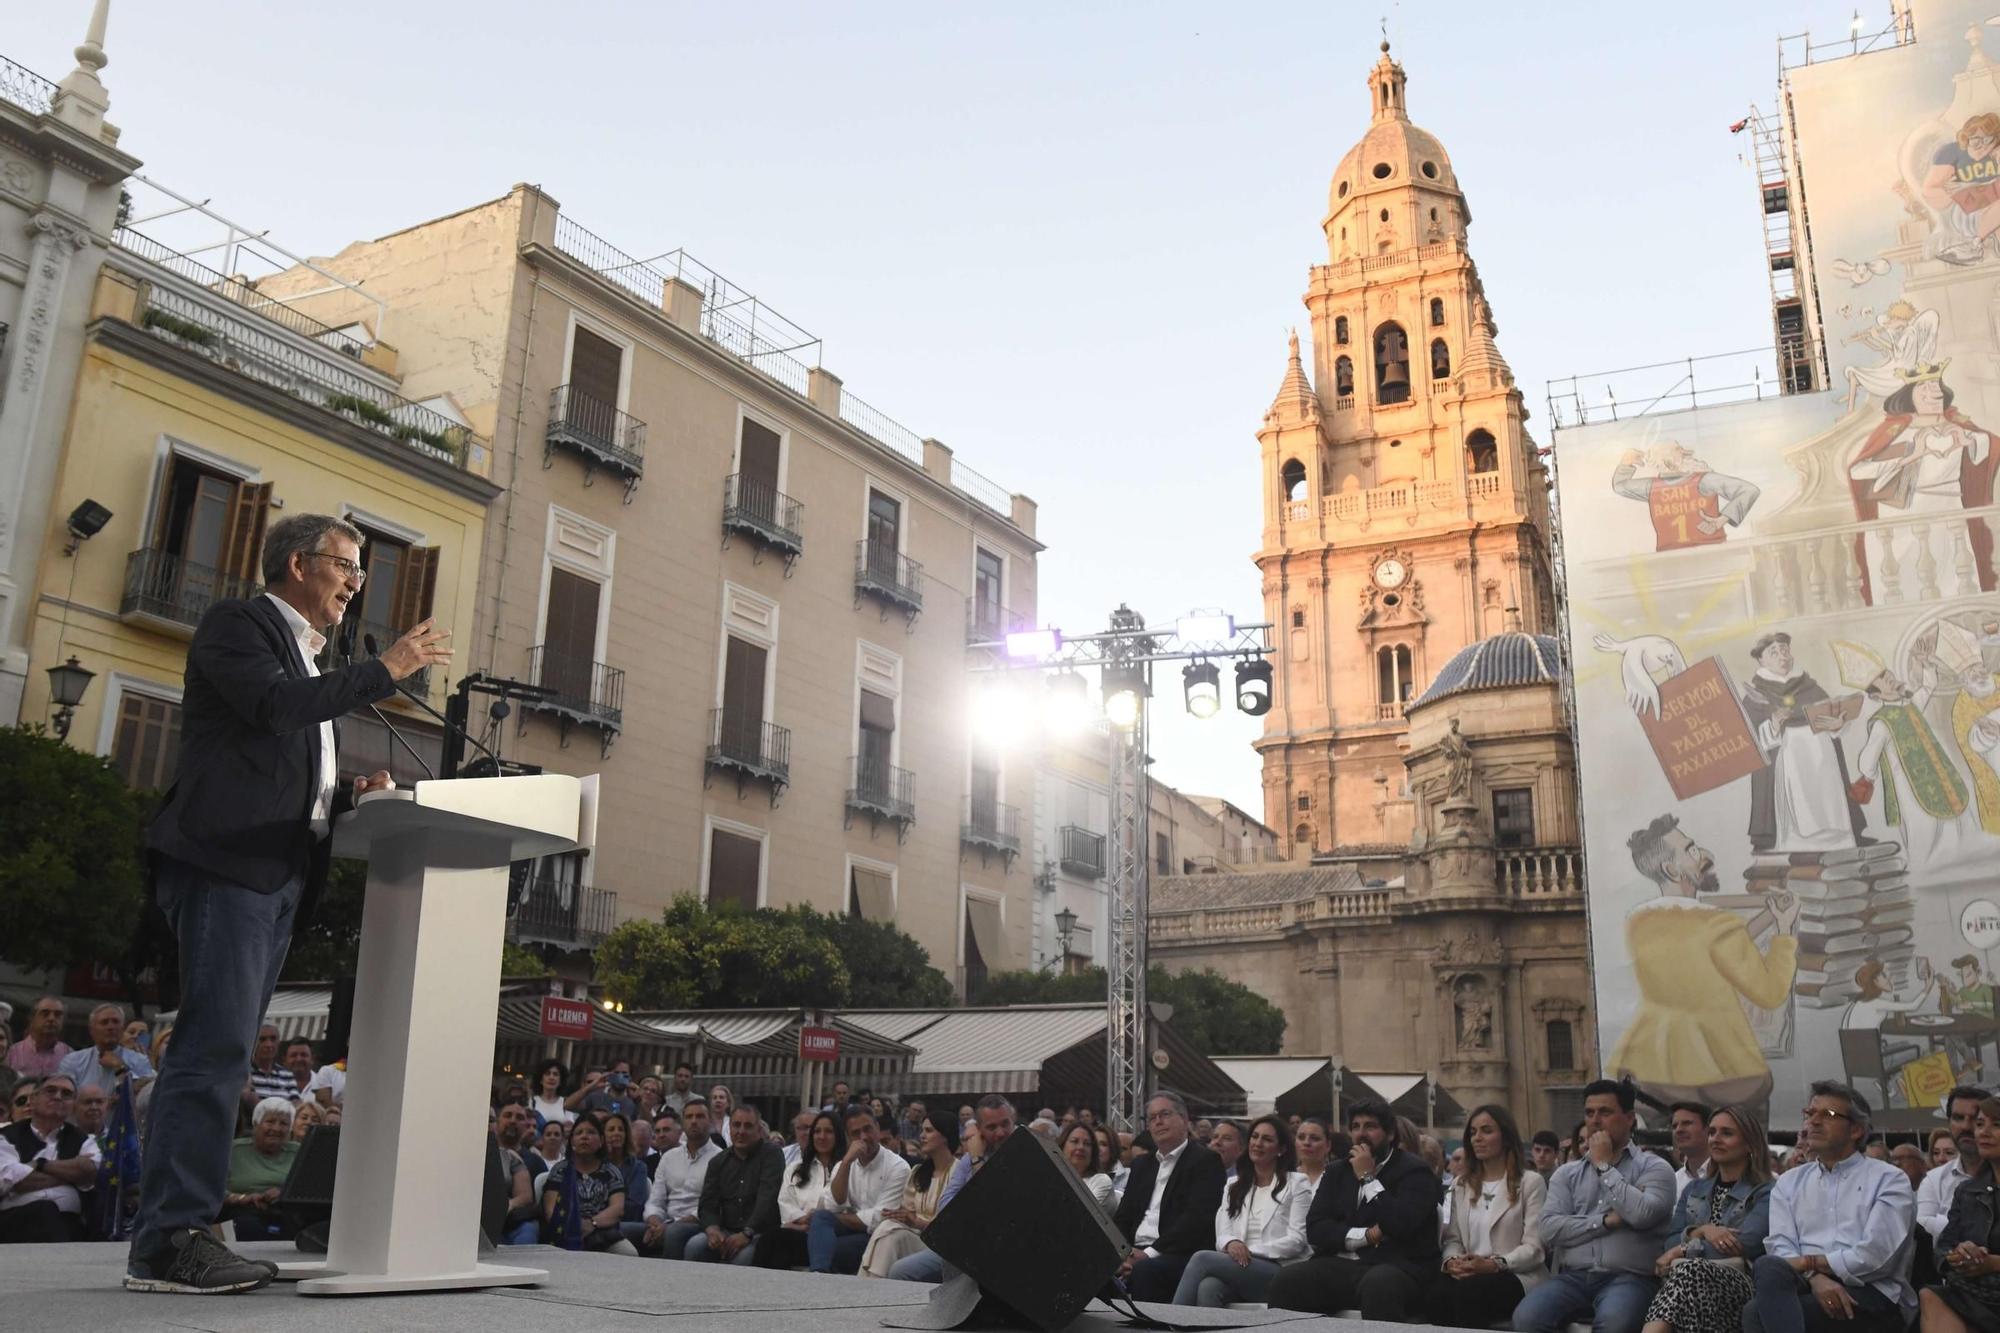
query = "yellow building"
{"x": 195, "y": 420}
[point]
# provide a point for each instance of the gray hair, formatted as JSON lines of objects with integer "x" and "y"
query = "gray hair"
{"x": 1857, "y": 1105}
{"x": 301, "y": 534}
{"x": 118, "y": 1009}
{"x": 1172, "y": 1098}
{"x": 267, "y": 1106}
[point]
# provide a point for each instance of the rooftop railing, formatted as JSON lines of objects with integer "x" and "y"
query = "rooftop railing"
{"x": 236, "y": 290}
{"x": 1665, "y": 386}
{"x": 25, "y": 88}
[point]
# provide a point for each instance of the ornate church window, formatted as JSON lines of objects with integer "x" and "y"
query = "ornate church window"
{"x": 1440, "y": 360}
{"x": 1514, "y": 817}
{"x": 1305, "y": 801}
{"x": 1393, "y": 679}
{"x": 1298, "y": 617}
{"x": 1293, "y": 475}
{"x": 1481, "y": 453}
{"x": 1392, "y": 365}
{"x": 1562, "y": 1044}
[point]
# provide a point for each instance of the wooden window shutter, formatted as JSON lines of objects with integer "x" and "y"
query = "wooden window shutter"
{"x": 244, "y": 544}
{"x": 594, "y": 365}
{"x": 416, "y": 584}
{"x": 733, "y": 862}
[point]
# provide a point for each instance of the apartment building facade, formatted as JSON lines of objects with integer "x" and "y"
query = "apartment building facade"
{"x": 749, "y": 591}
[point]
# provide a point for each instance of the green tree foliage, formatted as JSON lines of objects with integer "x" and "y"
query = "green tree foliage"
{"x": 694, "y": 958}
{"x": 885, "y": 967}
{"x": 329, "y": 946}
{"x": 71, "y": 869}
{"x": 1213, "y": 1014}
{"x": 517, "y": 961}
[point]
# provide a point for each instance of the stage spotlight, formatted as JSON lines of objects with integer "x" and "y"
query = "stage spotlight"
{"x": 1203, "y": 627}
{"x": 1202, "y": 682}
{"x": 1253, "y": 686}
{"x": 1065, "y": 704}
{"x": 1034, "y": 643}
{"x": 1125, "y": 694}
{"x": 85, "y": 521}
{"x": 997, "y": 714}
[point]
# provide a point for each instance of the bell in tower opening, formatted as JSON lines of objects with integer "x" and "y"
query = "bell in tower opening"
{"x": 1392, "y": 365}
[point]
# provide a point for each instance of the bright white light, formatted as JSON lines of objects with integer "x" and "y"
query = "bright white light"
{"x": 1203, "y": 685}
{"x": 999, "y": 714}
{"x": 1206, "y": 627}
{"x": 1034, "y": 643}
{"x": 1122, "y": 708}
{"x": 1065, "y": 705}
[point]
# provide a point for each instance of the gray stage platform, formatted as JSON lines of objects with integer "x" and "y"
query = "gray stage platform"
{"x": 76, "y": 1287}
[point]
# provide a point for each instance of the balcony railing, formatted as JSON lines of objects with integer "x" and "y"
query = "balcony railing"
{"x": 597, "y": 430}
{"x": 765, "y": 514}
{"x": 1540, "y": 872}
{"x": 161, "y": 586}
{"x": 351, "y": 636}
{"x": 586, "y": 692}
{"x": 882, "y": 791}
{"x": 750, "y": 748}
{"x": 273, "y": 356}
{"x": 882, "y": 571}
{"x": 1081, "y": 852}
{"x": 991, "y": 826}
{"x": 556, "y": 910}
{"x": 25, "y": 88}
{"x": 988, "y": 622}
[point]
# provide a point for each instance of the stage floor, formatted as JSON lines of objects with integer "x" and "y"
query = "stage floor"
{"x": 77, "y": 1287}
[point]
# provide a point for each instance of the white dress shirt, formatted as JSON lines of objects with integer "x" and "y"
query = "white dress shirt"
{"x": 874, "y": 1186}
{"x": 1149, "y": 1225}
{"x": 1272, "y": 1228}
{"x": 677, "y": 1181}
{"x": 796, "y": 1201}
{"x": 13, "y": 1171}
{"x": 1935, "y": 1193}
{"x": 1357, "y": 1237}
{"x": 310, "y": 642}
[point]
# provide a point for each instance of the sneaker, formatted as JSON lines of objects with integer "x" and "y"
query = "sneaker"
{"x": 197, "y": 1264}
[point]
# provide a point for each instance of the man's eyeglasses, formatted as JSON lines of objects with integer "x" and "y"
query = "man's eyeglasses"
{"x": 348, "y": 569}
{"x": 1167, "y": 1114}
{"x": 1822, "y": 1114}
{"x": 56, "y": 1092}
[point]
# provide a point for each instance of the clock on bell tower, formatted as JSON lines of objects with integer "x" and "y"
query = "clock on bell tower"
{"x": 1405, "y": 506}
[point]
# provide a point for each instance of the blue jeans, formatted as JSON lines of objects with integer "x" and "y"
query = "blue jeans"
{"x": 1612, "y": 1302}
{"x": 674, "y": 1240}
{"x": 232, "y": 947}
{"x": 528, "y": 1232}
{"x": 831, "y": 1248}
{"x": 698, "y": 1252}
{"x": 923, "y": 1266}
{"x": 1212, "y": 1278}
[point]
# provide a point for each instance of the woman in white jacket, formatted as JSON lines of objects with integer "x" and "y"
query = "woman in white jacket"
{"x": 1493, "y": 1247}
{"x": 1261, "y": 1224}
{"x": 806, "y": 1189}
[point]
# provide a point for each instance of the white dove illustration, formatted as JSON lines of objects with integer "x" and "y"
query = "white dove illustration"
{"x": 1647, "y": 657}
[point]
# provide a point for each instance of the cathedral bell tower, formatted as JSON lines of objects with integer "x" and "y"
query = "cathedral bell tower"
{"x": 1405, "y": 507}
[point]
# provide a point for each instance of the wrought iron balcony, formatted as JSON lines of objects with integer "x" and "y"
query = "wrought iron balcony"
{"x": 165, "y": 589}
{"x": 883, "y": 572}
{"x": 751, "y": 749}
{"x": 882, "y": 791}
{"x": 989, "y": 622}
{"x": 991, "y": 827}
{"x": 586, "y": 692}
{"x": 1081, "y": 852}
{"x": 598, "y": 432}
{"x": 552, "y": 909}
{"x": 764, "y": 514}
{"x": 351, "y": 637}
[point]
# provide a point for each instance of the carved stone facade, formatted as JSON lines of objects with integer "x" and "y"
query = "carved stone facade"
{"x": 1417, "y": 757}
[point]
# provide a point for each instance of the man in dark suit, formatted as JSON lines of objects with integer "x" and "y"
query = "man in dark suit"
{"x": 1168, "y": 1212}
{"x": 239, "y": 854}
{"x": 1373, "y": 1227}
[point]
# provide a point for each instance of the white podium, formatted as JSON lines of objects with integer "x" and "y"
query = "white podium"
{"x": 426, "y": 997}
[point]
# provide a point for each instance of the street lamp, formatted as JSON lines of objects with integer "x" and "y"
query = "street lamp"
{"x": 1065, "y": 932}
{"x": 66, "y": 686}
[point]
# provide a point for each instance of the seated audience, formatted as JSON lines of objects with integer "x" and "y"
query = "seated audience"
{"x": 981, "y": 1139}
{"x": 104, "y": 1063}
{"x": 1493, "y": 1246}
{"x": 268, "y": 1078}
{"x": 514, "y": 1130}
{"x": 722, "y": 1113}
{"x": 739, "y": 1194}
{"x": 258, "y": 1166}
{"x": 1084, "y": 1152}
{"x": 1688, "y": 1123}
{"x": 803, "y": 1194}
{"x": 1968, "y": 1246}
{"x": 1312, "y": 1144}
{"x": 511, "y": 1127}
{"x": 42, "y": 1051}
{"x": 1909, "y": 1159}
{"x": 1107, "y": 1147}
{"x": 1546, "y": 1153}
{"x": 1373, "y": 1227}
{"x": 297, "y": 1059}
{"x": 1720, "y": 1222}
{"x": 631, "y": 1171}
{"x": 554, "y": 1138}
{"x": 1260, "y": 1225}
{"x": 666, "y": 1137}
{"x": 92, "y": 1112}
{"x": 1604, "y": 1224}
{"x": 1168, "y": 1212}
{"x": 1941, "y": 1183}
{"x": 865, "y": 1185}
{"x": 672, "y": 1207}
{"x": 1944, "y": 1146}
{"x": 329, "y": 1084}
{"x": 46, "y": 1164}
{"x": 1838, "y": 1250}
{"x": 304, "y": 1116}
{"x": 613, "y": 1092}
{"x": 600, "y": 1192}
{"x": 550, "y": 1101}
{"x": 802, "y": 1129}
{"x": 899, "y": 1235}
{"x": 1226, "y": 1142}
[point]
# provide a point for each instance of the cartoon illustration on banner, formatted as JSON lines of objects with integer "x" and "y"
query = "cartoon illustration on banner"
{"x": 1793, "y": 663}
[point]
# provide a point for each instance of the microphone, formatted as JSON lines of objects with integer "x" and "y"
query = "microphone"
{"x": 374, "y": 648}
{"x": 347, "y": 655}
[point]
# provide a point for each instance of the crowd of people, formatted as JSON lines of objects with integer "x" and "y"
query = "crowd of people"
{"x": 1723, "y": 1232}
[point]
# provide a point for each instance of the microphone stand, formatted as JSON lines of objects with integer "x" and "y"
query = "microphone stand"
{"x": 387, "y": 725}
{"x": 375, "y": 651}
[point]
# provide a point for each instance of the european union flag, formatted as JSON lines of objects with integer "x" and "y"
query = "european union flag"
{"x": 567, "y": 1222}
{"x": 119, "y": 1170}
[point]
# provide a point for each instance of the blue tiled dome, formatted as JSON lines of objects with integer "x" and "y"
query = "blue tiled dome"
{"x": 1496, "y": 664}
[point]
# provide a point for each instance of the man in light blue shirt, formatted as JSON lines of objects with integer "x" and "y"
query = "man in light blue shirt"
{"x": 1838, "y": 1253}
{"x": 1604, "y": 1225}
{"x": 996, "y": 1123}
{"x": 103, "y": 1064}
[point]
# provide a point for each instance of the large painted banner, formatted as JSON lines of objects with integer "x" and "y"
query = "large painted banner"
{"x": 1787, "y": 642}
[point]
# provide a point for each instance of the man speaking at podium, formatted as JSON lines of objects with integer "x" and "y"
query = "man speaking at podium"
{"x": 239, "y": 854}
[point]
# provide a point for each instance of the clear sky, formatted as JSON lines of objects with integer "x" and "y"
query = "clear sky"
{"x": 1067, "y": 240}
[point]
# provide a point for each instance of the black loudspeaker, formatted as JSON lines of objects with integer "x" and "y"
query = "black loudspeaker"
{"x": 307, "y": 1196}
{"x": 1028, "y": 1232}
{"x": 339, "y": 1021}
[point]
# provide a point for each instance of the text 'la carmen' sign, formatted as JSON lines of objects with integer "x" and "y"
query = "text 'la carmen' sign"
{"x": 566, "y": 1018}
{"x": 819, "y": 1044}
